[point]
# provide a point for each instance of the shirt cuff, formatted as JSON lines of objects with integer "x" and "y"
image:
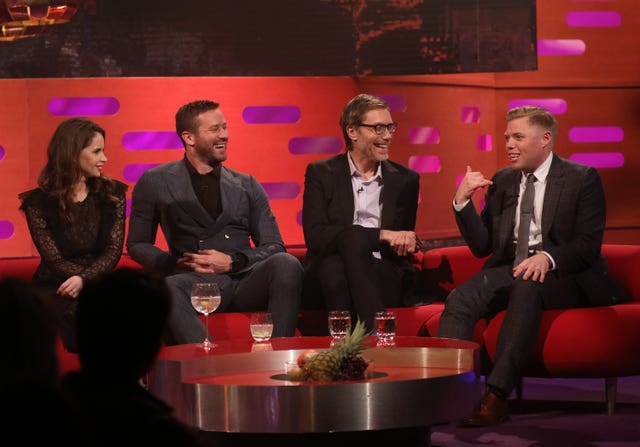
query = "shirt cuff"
{"x": 458, "y": 208}
{"x": 550, "y": 258}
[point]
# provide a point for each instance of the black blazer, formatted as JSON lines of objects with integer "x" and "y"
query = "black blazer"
{"x": 573, "y": 222}
{"x": 328, "y": 205}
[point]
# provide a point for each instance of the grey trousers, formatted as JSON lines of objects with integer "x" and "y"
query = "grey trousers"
{"x": 274, "y": 284}
{"x": 494, "y": 289}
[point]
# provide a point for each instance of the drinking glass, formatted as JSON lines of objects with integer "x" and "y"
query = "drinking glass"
{"x": 261, "y": 325}
{"x": 339, "y": 323}
{"x": 205, "y": 298}
{"x": 385, "y": 325}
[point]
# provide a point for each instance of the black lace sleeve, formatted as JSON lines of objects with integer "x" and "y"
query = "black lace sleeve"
{"x": 113, "y": 222}
{"x": 42, "y": 233}
{"x": 88, "y": 247}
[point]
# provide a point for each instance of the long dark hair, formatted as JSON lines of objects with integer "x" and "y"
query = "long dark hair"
{"x": 62, "y": 170}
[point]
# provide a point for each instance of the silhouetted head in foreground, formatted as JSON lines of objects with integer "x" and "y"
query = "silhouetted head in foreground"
{"x": 27, "y": 335}
{"x": 121, "y": 323}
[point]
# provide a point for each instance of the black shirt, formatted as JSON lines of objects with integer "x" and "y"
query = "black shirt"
{"x": 206, "y": 188}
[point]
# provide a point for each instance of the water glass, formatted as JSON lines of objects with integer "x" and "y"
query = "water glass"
{"x": 385, "y": 325}
{"x": 290, "y": 366}
{"x": 261, "y": 325}
{"x": 339, "y": 323}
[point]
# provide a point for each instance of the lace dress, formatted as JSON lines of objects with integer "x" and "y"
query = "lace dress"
{"x": 88, "y": 247}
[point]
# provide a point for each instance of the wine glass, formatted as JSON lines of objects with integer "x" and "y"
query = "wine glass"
{"x": 205, "y": 298}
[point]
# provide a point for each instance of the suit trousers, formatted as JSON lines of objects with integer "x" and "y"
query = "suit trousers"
{"x": 353, "y": 279}
{"x": 495, "y": 289}
{"x": 273, "y": 284}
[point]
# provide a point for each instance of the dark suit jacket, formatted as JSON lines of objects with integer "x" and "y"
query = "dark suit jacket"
{"x": 573, "y": 222}
{"x": 164, "y": 196}
{"x": 328, "y": 206}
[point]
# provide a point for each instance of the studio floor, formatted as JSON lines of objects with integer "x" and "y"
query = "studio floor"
{"x": 557, "y": 412}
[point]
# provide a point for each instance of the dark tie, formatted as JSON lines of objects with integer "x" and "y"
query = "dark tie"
{"x": 526, "y": 213}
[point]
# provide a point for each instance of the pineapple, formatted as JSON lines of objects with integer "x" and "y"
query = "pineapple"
{"x": 341, "y": 362}
{"x": 322, "y": 367}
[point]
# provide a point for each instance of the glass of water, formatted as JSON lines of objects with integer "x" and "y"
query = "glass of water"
{"x": 339, "y": 323}
{"x": 261, "y": 325}
{"x": 385, "y": 325}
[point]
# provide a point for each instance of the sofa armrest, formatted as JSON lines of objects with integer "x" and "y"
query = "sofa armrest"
{"x": 624, "y": 267}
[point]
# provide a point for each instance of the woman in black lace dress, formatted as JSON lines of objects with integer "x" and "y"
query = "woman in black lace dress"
{"x": 76, "y": 217}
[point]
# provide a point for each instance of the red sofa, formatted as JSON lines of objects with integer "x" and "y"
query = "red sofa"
{"x": 223, "y": 326}
{"x": 594, "y": 342}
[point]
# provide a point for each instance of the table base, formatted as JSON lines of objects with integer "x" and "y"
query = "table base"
{"x": 406, "y": 437}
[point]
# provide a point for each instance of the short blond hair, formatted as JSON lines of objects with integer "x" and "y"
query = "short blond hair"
{"x": 537, "y": 116}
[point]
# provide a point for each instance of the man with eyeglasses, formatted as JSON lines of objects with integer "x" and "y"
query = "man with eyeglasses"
{"x": 359, "y": 213}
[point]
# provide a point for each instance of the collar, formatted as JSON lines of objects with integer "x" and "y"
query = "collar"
{"x": 192, "y": 171}
{"x": 542, "y": 171}
{"x": 355, "y": 173}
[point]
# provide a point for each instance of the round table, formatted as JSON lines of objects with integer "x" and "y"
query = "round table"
{"x": 237, "y": 387}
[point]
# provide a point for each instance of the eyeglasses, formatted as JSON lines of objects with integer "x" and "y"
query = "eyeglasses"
{"x": 380, "y": 128}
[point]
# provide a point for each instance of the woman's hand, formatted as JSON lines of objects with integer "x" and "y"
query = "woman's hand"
{"x": 71, "y": 287}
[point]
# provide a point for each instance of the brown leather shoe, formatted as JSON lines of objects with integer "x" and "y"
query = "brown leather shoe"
{"x": 493, "y": 411}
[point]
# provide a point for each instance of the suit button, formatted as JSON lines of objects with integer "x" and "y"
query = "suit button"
{"x": 226, "y": 236}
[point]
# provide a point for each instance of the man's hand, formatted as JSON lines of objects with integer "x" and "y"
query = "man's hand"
{"x": 401, "y": 242}
{"x": 472, "y": 181}
{"x": 206, "y": 261}
{"x": 534, "y": 268}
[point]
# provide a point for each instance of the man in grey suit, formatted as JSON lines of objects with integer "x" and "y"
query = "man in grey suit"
{"x": 358, "y": 216}
{"x": 562, "y": 265}
{"x": 219, "y": 228}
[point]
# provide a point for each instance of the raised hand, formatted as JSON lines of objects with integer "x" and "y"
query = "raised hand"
{"x": 472, "y": 181}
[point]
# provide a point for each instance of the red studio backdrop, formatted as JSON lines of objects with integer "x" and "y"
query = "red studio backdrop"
{"x": 278, "y": 125}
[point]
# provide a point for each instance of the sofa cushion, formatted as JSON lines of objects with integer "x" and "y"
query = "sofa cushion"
{"x": 586, "y": 342}
{"x": 24, "y": 268}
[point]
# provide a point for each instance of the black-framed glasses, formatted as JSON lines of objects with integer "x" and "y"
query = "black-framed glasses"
{"x": 380, "y": 128}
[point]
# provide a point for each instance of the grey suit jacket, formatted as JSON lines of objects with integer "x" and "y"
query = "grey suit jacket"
{"x": 164, "y": 196}
{"x": 573, "y": 222}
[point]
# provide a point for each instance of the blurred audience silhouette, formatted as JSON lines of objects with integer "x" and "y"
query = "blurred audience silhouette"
{"x": 121, "y": 319}
{"x": 33, "y": 409}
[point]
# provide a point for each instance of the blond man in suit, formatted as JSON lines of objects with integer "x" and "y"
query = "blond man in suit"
{"x": 562, "y": 266}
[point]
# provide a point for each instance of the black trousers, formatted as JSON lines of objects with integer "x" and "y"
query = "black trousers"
{"x": 353, "y": 279}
